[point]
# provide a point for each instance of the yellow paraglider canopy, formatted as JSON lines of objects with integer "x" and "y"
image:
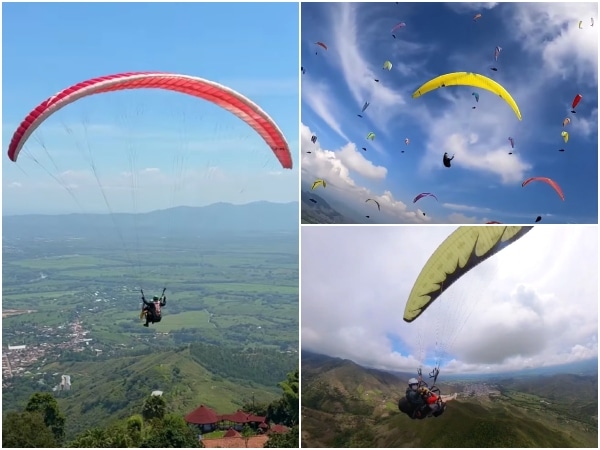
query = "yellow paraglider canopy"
{"x": 469, "y": 79}
{"x": 318, "y": 183}
{"x": 460, "y": 252}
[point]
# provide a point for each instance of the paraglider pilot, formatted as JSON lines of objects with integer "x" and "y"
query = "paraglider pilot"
{"x": 420, "y": 402}
{"x": 151, "y": 310}
{"x": 447, "y": 160}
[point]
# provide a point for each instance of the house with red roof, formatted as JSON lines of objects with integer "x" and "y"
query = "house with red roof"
{"x": 204, "y": 417}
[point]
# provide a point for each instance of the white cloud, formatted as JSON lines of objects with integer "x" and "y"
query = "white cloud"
{"x": 531, "y": 311}
{"x": 551, "y": 29}
{"x": 338, "y": 169}
{"x": 316, "y": 96}
{"x": 460, "y": 7}
{"x": 352, "y": 158}
{"x": 466, "y": 208}
{"x": 356, "y": 70}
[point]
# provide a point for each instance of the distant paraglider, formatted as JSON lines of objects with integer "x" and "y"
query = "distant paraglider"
{"x": 365, "y": 106}
{"x": 313, "y": 139}
{"x": 565, "y": 136}
{"x": 397, "y": 27}
{"x": 447, "y": 160}
{"x": 376, "y": 202}
{"x": 576, "y": 101}
{"x": 548, "y": 181}
{"x": 476, "y": 95}
{"x": 318, "y": 183}
{"x": 371, "y": 136}
{"x": 424, "y": 194}
{"x": 320, "y": 44}
{"x": 387, "y": 66}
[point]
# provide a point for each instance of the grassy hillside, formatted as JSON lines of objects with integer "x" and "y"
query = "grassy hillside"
{"x": 111, "y": 389}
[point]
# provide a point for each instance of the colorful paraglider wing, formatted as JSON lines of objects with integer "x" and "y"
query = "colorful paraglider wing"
{"x": 407, "y": 141}
{"x": 468, "y": 79}
{"x": 580, "y": 22}
{"x": 464, "y": 249}
{"x": 320, "y": 44}
{"x": 318, "y": 183}
{"x": 497, "y": 51}
{"x": 218, "y": 94}
{"x": 576, "y": 101}
{"x": 371, "y": 136}
{"x": 565, "y": 136}
{"x": 376, "y": 202}
{"x": 477, "y": 16}
{"x": 549, "y": 181}
{"x": 424, "y": 194}
{"x": 566, "y": 122}
{"x": 398, "y": 26}
{"x": 387, "y": 65}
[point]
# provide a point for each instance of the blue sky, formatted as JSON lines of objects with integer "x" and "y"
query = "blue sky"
{"x": 185, "y": 151}
{"x": 545, "y": 61}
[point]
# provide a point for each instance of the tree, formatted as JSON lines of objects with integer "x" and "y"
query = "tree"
{"x": 154, "y": 408}
{"x": 47, "y": 406}
{"x": 170, "y": 432}
{"x": 291, "y": 439}
{"x": 286, "y": 410}
{"x": 247, "y": 433}
{"x": 26, "y": 430}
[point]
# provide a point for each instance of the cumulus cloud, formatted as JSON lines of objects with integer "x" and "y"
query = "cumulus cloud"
{"x": 510, "y": 312}
{"x": 339, "y": 169}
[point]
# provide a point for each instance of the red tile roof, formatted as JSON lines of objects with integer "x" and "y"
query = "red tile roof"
{"x": 242, "y": 417}
{"x": 232, "y": 433}
{"x": 279, "y": 429}
{"x": 202, "y": 415}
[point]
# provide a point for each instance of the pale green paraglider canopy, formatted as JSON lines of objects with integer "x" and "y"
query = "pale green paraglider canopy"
{"x": 459, "y": 253}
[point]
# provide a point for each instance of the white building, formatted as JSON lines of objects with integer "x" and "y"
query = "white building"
{"x": 65, "y": 384}
{"x": 17, "y": 347}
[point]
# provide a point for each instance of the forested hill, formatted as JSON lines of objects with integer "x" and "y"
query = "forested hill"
{"x": 106, "y": 389}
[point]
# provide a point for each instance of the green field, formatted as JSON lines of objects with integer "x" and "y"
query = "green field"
{"x": 233, "y": 290}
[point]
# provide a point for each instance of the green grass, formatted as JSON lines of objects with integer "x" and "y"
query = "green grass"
{"x": 192, "y": 319}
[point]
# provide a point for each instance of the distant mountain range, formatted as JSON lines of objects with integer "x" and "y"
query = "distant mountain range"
{"x": 315, "y": 210}
{"x": 181, "y": 221}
